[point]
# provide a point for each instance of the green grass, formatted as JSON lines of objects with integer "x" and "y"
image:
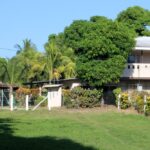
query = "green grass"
{"x": 73, "y": 130}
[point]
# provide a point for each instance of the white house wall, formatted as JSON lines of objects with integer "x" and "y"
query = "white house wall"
{"x": 137, "y": 70}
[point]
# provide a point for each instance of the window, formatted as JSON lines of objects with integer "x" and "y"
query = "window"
{"x": 133, "y": 67}
{"x": 128, "y": 66}
{"x": 131, "y": 59}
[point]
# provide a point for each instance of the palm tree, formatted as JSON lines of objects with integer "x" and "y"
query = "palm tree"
{"x": 28, "y": 58}
{"x": 10, "y": 73}
{"x": 60, "y": 60}
{"x": 52, "y": 53}
{"x": 68, "y": 62}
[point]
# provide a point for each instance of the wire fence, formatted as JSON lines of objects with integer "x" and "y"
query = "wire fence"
{"x": 19, "y": 100}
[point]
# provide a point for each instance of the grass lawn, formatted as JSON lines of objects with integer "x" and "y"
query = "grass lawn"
{"x": 73, "y": 130}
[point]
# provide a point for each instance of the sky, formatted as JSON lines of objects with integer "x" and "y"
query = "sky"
{"x": 37, "y": 19}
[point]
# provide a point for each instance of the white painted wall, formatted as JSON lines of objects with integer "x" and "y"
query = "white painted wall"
{"x": 75, "y": 85}
{"x": 55, "y": 97}
{"x": 137, "y": 70}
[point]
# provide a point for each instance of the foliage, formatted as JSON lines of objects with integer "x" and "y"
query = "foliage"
{"x": 59, "y": 59}
{"x": 101, "y": 46}
{"x": 79, "y": 97}
{"x": 24, "y": 91}
{"x": 35, "y": 91}
{"x": 21, "y": 93}
{"x": 124, "y": 98}
{"x": 39, "y": 99}
{"x": 137, "y": 99}
{"x": 52, "y": 53}
{"x": 29, "y": 65}
{"x": 124, "y": 101}
{"x": 134, "y": 99}
{"x": 140, "y": 103}
{"x": 147, "y": 109}
{"x": 10, "y": 71}
{"x": 136, "y": 18}
{"x": 28, "y": 60}
{"x": 116, "y": 92}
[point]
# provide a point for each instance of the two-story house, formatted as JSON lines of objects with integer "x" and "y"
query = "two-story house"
{"x": 137, "y": 72}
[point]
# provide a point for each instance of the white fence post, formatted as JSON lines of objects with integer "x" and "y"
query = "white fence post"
{"x": 119, "y": 96}
{"x": 11, "y": 103}
{"x": 102, "y": 101}
{"x": 49, "y": 101}
{"x": 145, "y": 100}
{"x": 27, "y": 102}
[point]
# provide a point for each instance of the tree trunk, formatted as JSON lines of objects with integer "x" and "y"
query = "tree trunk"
{"x": 10, "y": 92}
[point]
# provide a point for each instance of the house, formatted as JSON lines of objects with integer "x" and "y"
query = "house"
{"x": 136, "y": 75}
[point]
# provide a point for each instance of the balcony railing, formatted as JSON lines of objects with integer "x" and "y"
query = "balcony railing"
{"x": 137, "y": 70}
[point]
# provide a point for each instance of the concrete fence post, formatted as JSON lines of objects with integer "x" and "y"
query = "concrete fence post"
{"x": 119, "y": 96}
{"x": 102, "y": 101}
{"x": 145, "y": 101}
{"x": 27, "y": 102}
{"x": 11, "y": 103}
{"x": 49, "y": 101}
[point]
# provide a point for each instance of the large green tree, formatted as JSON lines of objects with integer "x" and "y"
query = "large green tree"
{"x": 136, "y": 18}
{"x": 102, "y": 47}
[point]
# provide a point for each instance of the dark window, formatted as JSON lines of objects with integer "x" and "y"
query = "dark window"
{"x": 128, "y": 66}
{"x": 131, "y": 59}
{"x": 133, "y": 66}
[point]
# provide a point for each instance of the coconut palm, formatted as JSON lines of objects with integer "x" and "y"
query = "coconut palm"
{"x": 10, "y": 73}
{"x": 60, "y": 60}
{"x": 29, "y": 59}
{"x": 52, "y": 54}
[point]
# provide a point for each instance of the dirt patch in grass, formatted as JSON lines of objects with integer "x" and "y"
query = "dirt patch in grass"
{"x": 106, "y": 108}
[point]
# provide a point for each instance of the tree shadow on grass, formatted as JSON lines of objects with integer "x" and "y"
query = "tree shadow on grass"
{"x": 10, "y": 142}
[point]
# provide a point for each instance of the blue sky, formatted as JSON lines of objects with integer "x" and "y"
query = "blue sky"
{"x": 36, "y": 19}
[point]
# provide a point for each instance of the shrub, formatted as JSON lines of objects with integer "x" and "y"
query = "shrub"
{"x": 84, "y": 98}
{"x": 116, "y": 92}
{"x": 20, "y": 95}
{"x": 139, "y": 104}
{"x": 39, "y": 99}
{"x": 147, "y": 109}
{"x": 124, "y": 101}
{"x": 138, "y": 100}
{"x": 22, "y": 92}
{"x": 35, "y": 92}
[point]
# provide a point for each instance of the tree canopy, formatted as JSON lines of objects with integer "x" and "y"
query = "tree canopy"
{"x": 136, "y": 18}
{"x": 102, "y": 47}
{"x": 60, "y": 59}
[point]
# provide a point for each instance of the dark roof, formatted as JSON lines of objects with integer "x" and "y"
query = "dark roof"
{"x": 48, "y": 81}
{"x": 5, "y": 85}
